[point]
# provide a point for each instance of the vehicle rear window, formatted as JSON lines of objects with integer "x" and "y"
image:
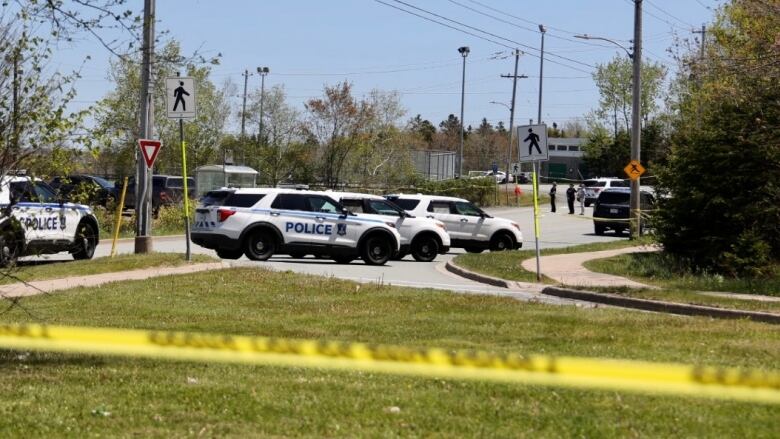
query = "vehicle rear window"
{"x": 405, "y": 203}
{"x": 243, "y": 200}
{"x": 216, "y": 198}
{"x": 354, "y": 206}
{"x": 589, "y": 183}
{"x": 614, "y": 197}
{"x": 439, "y": 207}
{"x": 290, "y": 202}
{"x": 620, "y": 183}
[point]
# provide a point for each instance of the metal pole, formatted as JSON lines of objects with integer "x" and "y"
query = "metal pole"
{"x": 512, "y": 122}
{"x": 537, "y": 231}
{"x": 186, "y": 189}
{"x": 636, "y": 118}
{"x": 243, "y": 110}
{"x": 143, "y": 240}
{"x": 262, "y": 97}
{"x": 462, "y": 102}
{"x": 541, "y": 75}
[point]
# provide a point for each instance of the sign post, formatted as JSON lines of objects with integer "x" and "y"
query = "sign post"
{"x": 533, "y": 148}
{"x": 181, "y": 104}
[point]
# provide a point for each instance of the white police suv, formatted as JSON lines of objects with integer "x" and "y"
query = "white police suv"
{"x": 35, "y": 221}
{"x": 468, "y": 225}
{"x": 423, "y": 237}
{"x": 261, "y": 222}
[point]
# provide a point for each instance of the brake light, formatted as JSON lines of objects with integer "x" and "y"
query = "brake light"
{"x": 225, "y": 214}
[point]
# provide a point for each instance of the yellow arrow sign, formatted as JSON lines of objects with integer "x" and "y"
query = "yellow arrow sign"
{"x": 634, "y": 169}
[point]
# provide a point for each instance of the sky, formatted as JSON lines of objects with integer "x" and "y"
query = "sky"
{"x": 307, "y": 44}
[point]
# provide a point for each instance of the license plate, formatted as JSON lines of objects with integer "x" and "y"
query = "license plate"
{"x": 613, "y": 211}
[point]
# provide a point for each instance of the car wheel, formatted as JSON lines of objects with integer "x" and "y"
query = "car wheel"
{"x": 599, "y": 229}
{"x": 297, "y": 255}
{"x": 343, "y": 259}
{"x": 425, "y": 249}
{"x": 10, "y": 248}
{"x": 224, "y": 253}
{"x": 502, "y": 242}
{"x": 377, "y": 250}
{"x": 474, "y": 249}
{"x": 260, "y": 245}
{"x": 85, "y": 242}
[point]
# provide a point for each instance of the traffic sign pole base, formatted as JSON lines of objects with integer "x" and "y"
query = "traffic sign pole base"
{"x": 143, "y": 244}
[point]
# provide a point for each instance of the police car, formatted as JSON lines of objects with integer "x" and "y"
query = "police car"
{"x": 35, "y": 221}
{"x": 261, "y": 222}
{"x": 469, "y": 226}
{"x": 423, "y": 237}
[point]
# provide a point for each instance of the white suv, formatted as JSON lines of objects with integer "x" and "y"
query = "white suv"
{"x": 423, "y": 237}
{"x": 261, "y": 222}
{"x": 468, "y": 225}
{"x": 594, "y": 186}
{"x": 34, "y": 221}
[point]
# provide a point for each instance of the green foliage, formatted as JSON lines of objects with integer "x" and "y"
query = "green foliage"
{"x": 170, "y": 219}
{"x": 722, "y": 180}
{"x": 477, "y": 190}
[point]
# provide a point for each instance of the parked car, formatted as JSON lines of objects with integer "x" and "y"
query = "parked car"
{"x": 594, "y": 186}
{"x": 612, "y": 210}
{"x": 88, "y": 189}
{"x": 167, "y": 190}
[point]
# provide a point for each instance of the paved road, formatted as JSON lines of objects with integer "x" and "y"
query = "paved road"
{"x": 558, "y": 230}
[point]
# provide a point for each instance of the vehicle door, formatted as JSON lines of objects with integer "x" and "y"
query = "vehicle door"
{"x": 290, "y": 214}
{"x": 332, "y": 226}
{"x": 471, "y": 222}
{"x": 443, "y": 211}
{"x": 38, "y": 211}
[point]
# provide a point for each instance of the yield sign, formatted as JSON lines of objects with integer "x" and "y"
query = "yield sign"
{"x": 149, "y": 149}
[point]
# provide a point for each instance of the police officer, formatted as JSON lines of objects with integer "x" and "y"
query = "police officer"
{"x": 553, "y": 190}
{"x": 581, "y": 198}
{"x": 570, "y": 194}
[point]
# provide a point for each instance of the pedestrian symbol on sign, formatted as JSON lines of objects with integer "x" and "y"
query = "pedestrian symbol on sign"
{"x": 534, "y": 138}
{"x": 532, "y": 142}
{"x": 179, "y": 94}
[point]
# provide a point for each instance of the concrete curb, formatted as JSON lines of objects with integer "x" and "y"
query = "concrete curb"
{"x": 662, "y": 307}
{"x": 476, "y": 277}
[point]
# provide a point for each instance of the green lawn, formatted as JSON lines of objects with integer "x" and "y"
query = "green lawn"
{"x": 41, "y": 270}
{"x": 506, "y": 265}
{"x": 54, "y": 395}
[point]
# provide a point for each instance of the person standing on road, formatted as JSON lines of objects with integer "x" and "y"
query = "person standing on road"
{"x": 553, "y": 190}
{"x": 570, "y": 194}
{"x": 581, "y": 198}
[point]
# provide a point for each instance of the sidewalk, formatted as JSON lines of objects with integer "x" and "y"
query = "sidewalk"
{"x": 567, "y": 269}
{"x": 33, "y": 288}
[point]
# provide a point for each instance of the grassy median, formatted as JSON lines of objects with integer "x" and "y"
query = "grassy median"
{"x": 26, "y": 271}
{"x": 54, "y": 394}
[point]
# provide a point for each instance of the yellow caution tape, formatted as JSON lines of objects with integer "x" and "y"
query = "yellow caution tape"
{"x": 585, "y": 373}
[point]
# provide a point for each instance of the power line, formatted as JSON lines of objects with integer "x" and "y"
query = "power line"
{"x": 486, "y": 33}
{"x": 663, "y": 11}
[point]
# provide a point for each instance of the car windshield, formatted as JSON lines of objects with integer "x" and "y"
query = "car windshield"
{"x": 383, "y": 207}
{"x": 103, "y": 182}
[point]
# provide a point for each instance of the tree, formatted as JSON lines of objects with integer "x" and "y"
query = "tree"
{"x": 721, "y": 209}
{"x": 422, "y": 128}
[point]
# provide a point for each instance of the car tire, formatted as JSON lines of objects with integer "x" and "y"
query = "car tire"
{"x": 474, "y": 249}
{"x": 425, "y": 248}
{"x": 85, "y": 242}
{"x": 343, "y": 259}
{"x": 10, "y": 248}
{"x": 502, "y": 242}
{"x": 260, "y": 245}
{"x": 224, "y": 253}
{"x": 599, "y": 229}
{"x": 376, "y": 250}
{"x": 297, "y": 255}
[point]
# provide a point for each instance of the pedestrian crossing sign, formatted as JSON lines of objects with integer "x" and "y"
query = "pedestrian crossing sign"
{"x": 180, "y": 98}
{"x": 533, "y": 143}
{"x": 634, "y": 169}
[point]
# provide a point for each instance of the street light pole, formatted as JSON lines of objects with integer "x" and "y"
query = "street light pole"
{"x": 464, "y": 52}
{"x": 636, "y": 118}
{"x": 541, "y": 75}
{"x": 243, "y": 110}
{"x": 262, "y": 71}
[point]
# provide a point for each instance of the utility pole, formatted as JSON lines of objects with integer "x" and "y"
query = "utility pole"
{"x": 243, "y": 111}
{"x": 464, "y": 52}
{"x": 703, "y": 33}
{"x": 15, "y": 109}
{"x": 541, "y": 75}
{"x": 143, "y": 180}
{"x": 636, "y": 118}
{"x": 514, "y": 77}
{"x": 262, "y": 71}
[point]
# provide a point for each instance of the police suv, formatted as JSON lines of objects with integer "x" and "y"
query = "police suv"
{"x": 423, "y": 237}
{"x": 469, "y": 226}
{"x": 261, "y": 222}
{"x": 35, "y": 221}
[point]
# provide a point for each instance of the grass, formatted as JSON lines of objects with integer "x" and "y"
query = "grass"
{"x": 55, "y": 395}
{"x": 506, "y": 265}
{"x": 41, "y": 270}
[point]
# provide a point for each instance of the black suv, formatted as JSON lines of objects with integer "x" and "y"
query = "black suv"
{"x": 167, "y": 190}
{"x": 85, "y": 189}
{"x": 612, "y": 210}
